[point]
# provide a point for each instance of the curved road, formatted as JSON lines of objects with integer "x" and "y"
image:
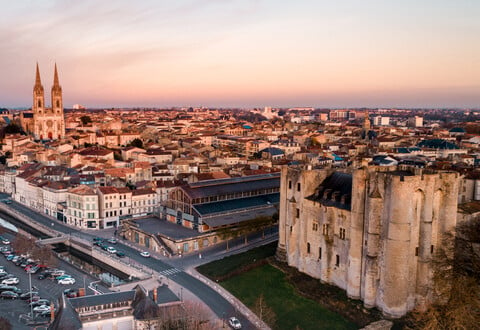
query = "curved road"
{"x": 217, "y": 303}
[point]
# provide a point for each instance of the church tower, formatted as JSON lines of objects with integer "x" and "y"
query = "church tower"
{"x": 48, "y": 123}
{"x": 38, "y": 95}
{"x": 56, "y": 94}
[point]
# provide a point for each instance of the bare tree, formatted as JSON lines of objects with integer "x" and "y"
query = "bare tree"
{"x": 263, "y": 311}
{"x": 456, "y": 294}
{"x": 23, "y": 244}
{"x": 5, "y": 324}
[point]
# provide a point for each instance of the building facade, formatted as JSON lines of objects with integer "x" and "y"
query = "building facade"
{"x": 371, "y": 231}
{"x": 47, "y": 123}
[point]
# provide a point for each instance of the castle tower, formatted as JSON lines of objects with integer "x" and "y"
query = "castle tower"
{"x": 48, "y": 123}
{"x": 38, "y": 94}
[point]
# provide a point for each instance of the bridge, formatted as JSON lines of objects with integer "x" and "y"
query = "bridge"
{"x": 54, "y": 240}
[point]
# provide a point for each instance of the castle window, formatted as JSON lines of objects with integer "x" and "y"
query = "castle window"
{"x": 308, "y": 248}
{"x": 416, "y": 251}
{"x": 289, "y": 184}
{"x": 315, "y": 226}
{"x": 325, "y": 229}
{"x": 319, "y": 253}
{"x": 290, "y": 229}
{"x": 39, "y": 103}
{"x": 431, "y": 248}
{"x": 58, "y": 103}
{"x": 298, "y": 213}
{"x": 337, "y": 263}
{"x": 342, "y": 233}
{"x": 298, "y": 186}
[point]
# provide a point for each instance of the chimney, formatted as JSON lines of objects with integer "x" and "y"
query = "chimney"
{"x": 155, "y": 294}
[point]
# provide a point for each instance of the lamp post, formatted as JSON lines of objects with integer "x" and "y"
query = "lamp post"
{"x": 31, "y": 293}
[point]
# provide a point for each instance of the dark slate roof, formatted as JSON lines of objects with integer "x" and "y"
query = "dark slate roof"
{"x": 171, "y": 230}
{"x": 240, "y": 203}
{"x": 457, "y": 130}
{"x": 437, "y": 144}
{"x": 101, "y": 299}
{"x": 273, "y": 151}
{"x": 335, "y": 190}
{"x": 66, "y": 317}
{"x": 241, "y": 216}
{"x": 144, "y": 306}
{"x": 164, "y": 295}
{"x": 232, "y": 185}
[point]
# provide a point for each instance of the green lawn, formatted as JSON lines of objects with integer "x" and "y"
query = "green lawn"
{"x": 291, "y": 309}
{"x": 229, "y": 264}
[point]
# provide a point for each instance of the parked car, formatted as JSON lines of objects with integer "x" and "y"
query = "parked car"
{"x": 10, "y": 257}
{"x": 5, "y": 240}
{"x": 5, "y": 276}
{"x": 10, "y": 288}
{"x": 70, "y": 293}
{"x": 234, "y": 323}
{"x": 8, "y": 295}
{"x": 41, "y": 308}
{"x": 111, "y": 249}
{"x": 33, "y": 299}
{"x": 26, "y": 295}
{"x": 112, "y": 241}
{"x": 145, "y": 254}
{"x": 120, "y": 254}
{"x": 58, "y": 272}
{"x": 40, "y": 302}
{"x": 3, "y": 271}
{"x": 10, "y": 281}
{"x": 69, "y": 280}
{"x": 62, "y": 277}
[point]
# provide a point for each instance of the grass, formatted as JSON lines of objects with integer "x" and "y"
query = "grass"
{"x": 291, "y": 309}
{"x": 227, "y": 265}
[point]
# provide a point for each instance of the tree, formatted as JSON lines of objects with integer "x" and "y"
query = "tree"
{"x": 13, "y": 129}
{"x": 136, "y": 143}
{"x": 5, "y": 324}
{"x": 263, "y": 311}
{"x": 85, "y": 120}
{"x": 456, "y": 285}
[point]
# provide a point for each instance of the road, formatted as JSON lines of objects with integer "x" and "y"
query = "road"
{"x": 217, "y": 303}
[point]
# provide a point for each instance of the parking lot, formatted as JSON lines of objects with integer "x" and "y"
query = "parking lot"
{"x": 47, "y": 289}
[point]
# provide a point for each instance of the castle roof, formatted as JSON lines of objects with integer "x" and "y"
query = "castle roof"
{"x": 335, "y": 190}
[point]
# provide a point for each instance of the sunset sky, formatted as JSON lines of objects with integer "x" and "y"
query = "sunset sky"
{"x": 346, "y": 53}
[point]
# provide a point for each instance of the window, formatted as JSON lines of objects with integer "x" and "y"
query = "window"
{"x": 342, "y": 233}
{"x": 298, "y": 186}
{"x": 416, "y": 251}
{"x": 337, "y": 263}
{"x": 308, "y": 248}
{"x": 319, "y": 253}
{"x": 289, "y": 184}
{"x": 325, "y": 229}
{"x": 315, "y": 226}
{"x": 431, "y": 248}
{"x": 298, "y": 213}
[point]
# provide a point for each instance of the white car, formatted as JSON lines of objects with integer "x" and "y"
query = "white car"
{"x": 68, "y": 280}
{"x": 111, "y": 249}
{"x": 234, "y": 323}
{"x": 145, "y": 254}
{"x": 10, "y": 281}
{"x": 42, "y": 308}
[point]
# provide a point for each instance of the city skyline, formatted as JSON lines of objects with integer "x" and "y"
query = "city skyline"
{"x": 244, "y": 53}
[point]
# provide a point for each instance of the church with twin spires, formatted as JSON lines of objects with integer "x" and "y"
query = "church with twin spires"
{"x": 42, "y": 122}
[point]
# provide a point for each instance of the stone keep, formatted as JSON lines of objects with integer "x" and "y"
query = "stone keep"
{"x": 370, "y": 231}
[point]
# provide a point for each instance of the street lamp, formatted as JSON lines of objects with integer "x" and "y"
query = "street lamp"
{"x": 31, "y": 293}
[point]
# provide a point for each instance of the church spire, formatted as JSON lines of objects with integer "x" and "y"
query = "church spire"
{"x": 38, "y": 82}
{"x": 55, "y": 77}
